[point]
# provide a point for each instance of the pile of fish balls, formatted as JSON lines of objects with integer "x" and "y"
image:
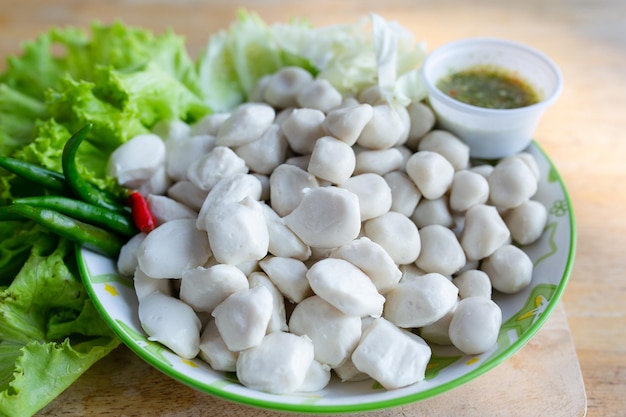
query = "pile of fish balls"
{"x": 306, "y": 233}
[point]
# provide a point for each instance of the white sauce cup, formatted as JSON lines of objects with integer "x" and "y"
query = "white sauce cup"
{"x": 491, "y": 133}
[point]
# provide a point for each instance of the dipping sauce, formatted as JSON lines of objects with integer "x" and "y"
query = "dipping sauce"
{"x": 488, "y": 87}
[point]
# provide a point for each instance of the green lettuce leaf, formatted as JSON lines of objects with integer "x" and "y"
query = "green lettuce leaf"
{"x": 219, "y": 83}
{"x": 58, "y": 364}
{"x": 41, "y": 66}
{"x": 18, "y": 112}
{"x": 149, "y": 95}
{"x": 253, "y": 50}
{"x": 50, "y": 332}
{"x": 74, "y": 104}
{"x": 15, "y": 248}
{"x": 44, "y": 285}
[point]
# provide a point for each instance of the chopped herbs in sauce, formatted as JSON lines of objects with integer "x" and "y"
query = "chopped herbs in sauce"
{"x": 489, "y": 87}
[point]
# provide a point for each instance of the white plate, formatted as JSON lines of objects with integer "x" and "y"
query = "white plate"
{"x": 523, "y": 315}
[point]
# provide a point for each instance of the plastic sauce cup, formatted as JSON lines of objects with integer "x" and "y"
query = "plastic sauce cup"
{"x": 491, "y": 133}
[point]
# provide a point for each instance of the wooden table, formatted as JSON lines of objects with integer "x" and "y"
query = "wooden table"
{"x": 583, "y": 133}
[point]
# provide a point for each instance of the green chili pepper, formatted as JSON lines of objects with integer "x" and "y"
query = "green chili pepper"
{"x": 49, "y": 179}
{"x": 91, "y": 237}
{"x": 96, "y": 215}
{"x": 81, "y": 187}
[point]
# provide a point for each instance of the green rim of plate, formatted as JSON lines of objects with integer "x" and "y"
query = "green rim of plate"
{"x": 316, "y": 408}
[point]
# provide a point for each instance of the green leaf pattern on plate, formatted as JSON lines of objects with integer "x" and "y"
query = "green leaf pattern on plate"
{"x": 550, "y": 230}
{"x": 110, "y": 278}
{"x": 559, "y": 208}
{"x": 437, "y": 363}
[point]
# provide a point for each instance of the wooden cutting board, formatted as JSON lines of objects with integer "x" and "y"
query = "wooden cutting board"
{"x": 542, "y": 379}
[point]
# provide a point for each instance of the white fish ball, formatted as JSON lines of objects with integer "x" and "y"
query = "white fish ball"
{"x": 373, "y": 193}
{"x": 447, "y": 145}
{"x": 204, "y": 288}
{"x": 511, "y": 183}
{"x": 530, "y": 160}
{"x": 242, "y": 318}
{"x": 127, "y": 259}
{"x": 278, "y": 365}
{"x": 484, "y": 231}
{"x": 473, "y": 283}
{"x": 165, "y": 209}
{"x": 372, "y": 95}
{"x": 441, "y": 251}
{"x": 188, "y": 193}
{"x": 439, "y": 331}
{"x": 431, "y": 172}
{"x": 372, "y": 259}
{"x": 158, "y": 183}
{"x": 238, "y": 232}
{"x": 475, "y": 325}
{"x": 214, "y": 351}
{"x": 323, "y": 323}
{"x": 379, "y": 162}
{"x": 278, "y": 319}
{"x": 384, "y": 129}
{"x": 136, "y": 160}
{"x": 392, "y": 356}
{"x": 483, "y": 169}
{"x": 245, "y": 124}
{"x": 468, "y": 189}
{"x": 435, "y": 211}
{"x": 332, "y": 160}
{"x": 283, "y": 241}
{"x": 221, "y": 162}
{"x": 347, "y": 122}
{"x": 145, "y": 285}
{"x": 404, "y": 193}
{"x": 231, "y": 189}
{"x": 526, "y": 222}
{"x": 182, "y": 153}
{"x": 317, "y": 377}
{"x": 422, "y": 121}
{"x": 172, "y": 248}
{"x": 319, "y": 94}
{"x": 347, "y": 372}
{"x": 209, "y": 124}
{"x": 287, "y": 186}
{"x": 289, "y": 276}
{"x": 346, "y": 287}
{"x": 302, "y": 128}
{"x": 420, "y": 301}
{"x": 326, "y": 217}
{"x": 509, "y": 268}
{"x": 397, "y": 234}
{"x": 266, "y": 153}
{"x": 173, "y": 323}
{"x": 284, "y": 85}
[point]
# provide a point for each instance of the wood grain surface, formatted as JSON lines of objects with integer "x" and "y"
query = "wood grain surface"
{"x": 542, "y": 379}
{"x": 584, "y": 134}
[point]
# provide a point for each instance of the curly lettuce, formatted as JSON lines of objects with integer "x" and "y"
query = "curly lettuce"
{"x": 50, "y": 332}
{"x": 123, "y": 80}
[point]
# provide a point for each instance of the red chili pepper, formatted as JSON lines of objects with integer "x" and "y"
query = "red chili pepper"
{"x": 142, "y": 216}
